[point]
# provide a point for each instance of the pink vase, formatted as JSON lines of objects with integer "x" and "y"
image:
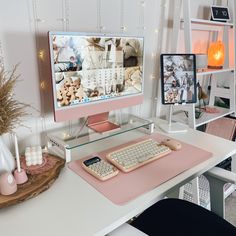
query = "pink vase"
{"x": 7, "y": 161}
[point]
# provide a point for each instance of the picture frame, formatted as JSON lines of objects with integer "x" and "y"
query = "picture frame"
{"x": 178, "y": 78}
{"x": 220, "y": 13}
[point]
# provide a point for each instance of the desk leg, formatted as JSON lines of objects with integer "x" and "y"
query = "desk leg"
{"x": 195, "y": 188}
{"x": 233, "y": 169}
{"x": 67, "y": 154}
{"x": 174, "y": 193}
{"x": 179, "y": 192}
{"x": 217, "y": 195}
{"x": 195, "y": 191}
{"x": 218, "y": 177}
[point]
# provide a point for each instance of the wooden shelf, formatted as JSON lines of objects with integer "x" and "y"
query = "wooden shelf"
{"x": 205, "y": 117}
{"x": 206, "y": 71}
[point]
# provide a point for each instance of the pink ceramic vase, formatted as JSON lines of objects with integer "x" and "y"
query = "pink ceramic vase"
{"x": 7, "y": 184}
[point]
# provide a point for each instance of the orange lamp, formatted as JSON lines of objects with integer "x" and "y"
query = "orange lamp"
{"x": 216, "y": 55}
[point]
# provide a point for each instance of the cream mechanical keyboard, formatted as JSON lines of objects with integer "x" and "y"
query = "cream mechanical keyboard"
{"x": 138, "y": 154}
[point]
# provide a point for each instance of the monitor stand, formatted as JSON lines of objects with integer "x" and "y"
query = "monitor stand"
{"x": 100, "y": 123}
{"x": 173, "y": 127}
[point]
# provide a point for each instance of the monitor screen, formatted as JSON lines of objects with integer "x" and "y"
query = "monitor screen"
{"x": 178, "y": 78}
{"x": 94, "y": 73}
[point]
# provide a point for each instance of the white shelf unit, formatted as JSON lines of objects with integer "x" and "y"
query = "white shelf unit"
{"x": 189, "y": 24}
{"x": 206, "y": 71}
{"x": 208, "y": 22}
{"x": 217, "y": 29}
{"x": 205, "y": 117}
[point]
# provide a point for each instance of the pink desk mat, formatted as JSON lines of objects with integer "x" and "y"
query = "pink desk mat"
{"x": 127, "y": 186}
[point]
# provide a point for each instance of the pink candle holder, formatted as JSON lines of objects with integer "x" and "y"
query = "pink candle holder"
{"x": 20, "y": 177}
{"x": 19, "y": 174}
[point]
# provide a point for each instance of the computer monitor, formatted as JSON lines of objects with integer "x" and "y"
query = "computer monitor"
{"x": 178, "y": 82}
{"x": 93, "y": 74}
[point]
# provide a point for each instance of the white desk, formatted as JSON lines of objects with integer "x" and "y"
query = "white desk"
{"x": 72, "y": 207}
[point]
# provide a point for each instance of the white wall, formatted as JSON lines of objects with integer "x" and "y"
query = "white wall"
{"x": 23, "y": 38}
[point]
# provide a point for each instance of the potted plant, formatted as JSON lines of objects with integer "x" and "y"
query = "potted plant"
{"x": 11, "y": 112}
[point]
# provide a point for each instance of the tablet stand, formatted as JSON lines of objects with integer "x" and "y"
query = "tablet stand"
{"x": 173, "y": 127}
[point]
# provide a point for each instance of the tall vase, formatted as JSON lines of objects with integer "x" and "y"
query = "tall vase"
{"x": 7, "y": 161}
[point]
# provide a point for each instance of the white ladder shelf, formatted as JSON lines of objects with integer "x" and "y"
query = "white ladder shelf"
{"x": 217, "y": 30}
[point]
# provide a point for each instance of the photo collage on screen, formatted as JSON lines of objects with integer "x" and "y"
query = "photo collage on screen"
{"x": 88, "y": 69}
{"x": 179, "y": 77}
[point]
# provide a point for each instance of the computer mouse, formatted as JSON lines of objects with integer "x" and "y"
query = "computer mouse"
{"x": 172, "y": 144}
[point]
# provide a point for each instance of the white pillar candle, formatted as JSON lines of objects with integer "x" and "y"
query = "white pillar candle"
{"x": 33, "y": 156}
{"x": 17, "y": 154}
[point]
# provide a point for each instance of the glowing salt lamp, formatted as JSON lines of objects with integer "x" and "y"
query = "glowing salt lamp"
{"x": 216, "y": 55}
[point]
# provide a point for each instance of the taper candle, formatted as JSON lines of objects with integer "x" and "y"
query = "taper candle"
{"x": 17, "y": 154}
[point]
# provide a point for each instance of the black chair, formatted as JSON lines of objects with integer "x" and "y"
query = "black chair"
{"x": 173, "y": 217}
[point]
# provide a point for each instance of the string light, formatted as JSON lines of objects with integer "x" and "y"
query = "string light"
{"x": 156, "y": 31}
{"x": 37, "y": 20}
{"x": 123, "y": 28}
{"x": 1, "y": 56}
{"x": 141, "y": 17}
{"x": 102, "y": 27}
{"x": 63, "y": 19}
{"x": 164, "y": 5}
{"x": 143, "y": 3}
{"x": 99, "y": 27}
{"x": 43, "y": 85}
{"x": 142, "y": 27}
{"x": 66, "y": 135}
{"x": 67, "y": 16}
{"x": 40, "y": 20}
{"x": 152, "y": 77}
{"x": 41, "y": 54}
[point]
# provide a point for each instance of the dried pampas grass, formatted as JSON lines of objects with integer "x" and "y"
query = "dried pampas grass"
{"x": 11, "y": 111}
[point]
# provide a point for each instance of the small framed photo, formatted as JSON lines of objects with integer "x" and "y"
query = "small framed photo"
{"x": 219, "y": 13}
